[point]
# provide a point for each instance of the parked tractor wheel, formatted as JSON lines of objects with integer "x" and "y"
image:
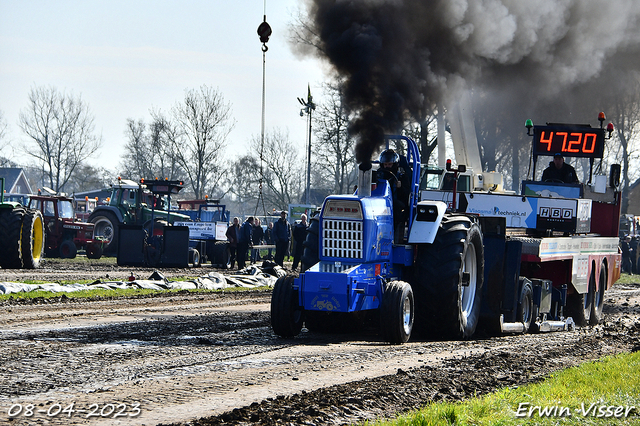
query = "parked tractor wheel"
{"x": 448, "y": 278}
{"x": 10, "y": 241}
{"x": 579, "y": 305}
{"x": 106, "y": 227}
{"x": 68, "y": 250}
{"x": 310, "y": 254}
{"x": 397, "y": 312}
{"x": 286, "y": 314}
{"x": 221, "y": 255}
{"x": 598, "y": 297}
{"x": 525, "y": 311}
{"x": 32, "y": 244}
{"x": 194, "y": 258}
{"x": 94, "y": 251}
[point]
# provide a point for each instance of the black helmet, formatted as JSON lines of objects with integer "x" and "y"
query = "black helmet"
{"x": 389, "y": 156}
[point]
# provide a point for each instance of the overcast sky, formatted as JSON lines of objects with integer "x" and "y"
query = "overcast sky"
{"x": 125, "y": 57}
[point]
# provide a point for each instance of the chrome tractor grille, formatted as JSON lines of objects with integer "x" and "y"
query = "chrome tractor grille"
{"x": 342, "y": 238}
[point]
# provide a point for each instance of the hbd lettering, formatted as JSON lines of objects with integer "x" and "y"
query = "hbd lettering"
{"x": 525, "y": 409}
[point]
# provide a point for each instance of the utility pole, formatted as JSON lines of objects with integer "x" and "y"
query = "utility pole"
{"x": 307, "y": 107}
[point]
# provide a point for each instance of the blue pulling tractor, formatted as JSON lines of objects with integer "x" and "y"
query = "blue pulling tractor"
{"x": 468, "y": 253}
{"x": 363, "y": 267}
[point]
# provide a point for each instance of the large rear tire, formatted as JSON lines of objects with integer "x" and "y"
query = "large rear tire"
{"x": 10, "y": 236}
{"x": 106, "y": 227}
{"x": 32, "y": 244}
{"x": 447, "y": 280}
{"x": 397, "y": 312}
{"x": 286, "y": 314}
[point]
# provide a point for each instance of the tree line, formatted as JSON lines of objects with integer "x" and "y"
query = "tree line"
{"x": 189, "y": 142}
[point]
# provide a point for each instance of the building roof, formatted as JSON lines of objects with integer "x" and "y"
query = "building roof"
{"x": 15, "y": 181}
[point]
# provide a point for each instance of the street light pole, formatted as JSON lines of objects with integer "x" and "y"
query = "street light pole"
{"x": 308, "y": 107}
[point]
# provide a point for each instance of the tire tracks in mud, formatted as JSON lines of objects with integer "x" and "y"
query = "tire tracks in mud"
{"x": 215, "y": 358}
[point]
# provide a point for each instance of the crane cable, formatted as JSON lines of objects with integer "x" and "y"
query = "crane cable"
{"x": 264, "y": 31}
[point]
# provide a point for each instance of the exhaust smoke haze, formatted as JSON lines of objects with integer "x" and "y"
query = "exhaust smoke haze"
{"x": 400, "y": 56}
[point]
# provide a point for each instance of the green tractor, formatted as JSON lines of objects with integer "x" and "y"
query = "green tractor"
{"x": 21, "y": 235}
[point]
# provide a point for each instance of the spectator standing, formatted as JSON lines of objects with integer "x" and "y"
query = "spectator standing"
{"x": 245, "y": 241}
{"x": 633, "y": 253}
{"x": 281, "y": 237}
{"x": 299, "y": 235}
{"x": 626, "y": 254}
{"x": 258, "y": 235}
{"x": 268, "y": 239}
{"x": 232, "y": 237}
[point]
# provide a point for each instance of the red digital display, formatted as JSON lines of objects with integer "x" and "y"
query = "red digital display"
{"x": 570, "y": 141}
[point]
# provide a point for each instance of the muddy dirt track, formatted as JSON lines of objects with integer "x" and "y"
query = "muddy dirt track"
{"x": 211, "y": 358}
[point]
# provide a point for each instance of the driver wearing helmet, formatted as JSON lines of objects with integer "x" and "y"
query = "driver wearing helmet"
{"x": 400, "y": 184}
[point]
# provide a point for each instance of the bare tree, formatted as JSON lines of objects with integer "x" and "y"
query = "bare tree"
{"x": 202, "y": 123}
{"x": 149, "y": 153}
{"x": 62, "y": 135}
{"x": 279, "y": 166}
{"x": 335, "y": 159}
{"x": 624, "y": 112}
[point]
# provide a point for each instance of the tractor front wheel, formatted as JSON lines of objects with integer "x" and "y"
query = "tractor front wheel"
{"x": 68, "y": 250}
{"x": 286, "y": 314}
{"x": 397, "y": 312}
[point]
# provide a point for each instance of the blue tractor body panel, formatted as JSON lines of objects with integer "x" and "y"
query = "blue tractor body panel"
{"x": 356, "y": 252}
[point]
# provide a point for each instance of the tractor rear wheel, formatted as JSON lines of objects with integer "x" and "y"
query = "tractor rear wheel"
{"x": 286, "y": 314}
{"x": 32, "y": 243}
{"x": 106, "y": 226}
{"x": 310, "y": 254}
{"x": 10, "y": 231}
{"x": 447, "y": 280}
{"x": 397, "y": 312}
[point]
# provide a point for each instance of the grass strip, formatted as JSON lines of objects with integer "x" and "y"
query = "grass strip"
{"x": 602, "y": 392}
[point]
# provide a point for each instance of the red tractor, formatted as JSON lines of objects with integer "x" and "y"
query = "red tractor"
{"x": 64, "y": 235}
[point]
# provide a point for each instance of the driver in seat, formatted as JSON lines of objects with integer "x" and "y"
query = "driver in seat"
{"x": 559, "y": 171}
{"x": 400, "y": 184}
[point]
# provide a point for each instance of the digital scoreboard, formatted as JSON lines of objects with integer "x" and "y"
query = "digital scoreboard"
{"x": 570, "y": 141}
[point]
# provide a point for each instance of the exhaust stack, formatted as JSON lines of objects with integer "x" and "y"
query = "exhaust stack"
{"x": 364, "y": 180}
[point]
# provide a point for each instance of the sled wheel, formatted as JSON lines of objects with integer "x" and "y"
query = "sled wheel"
{"x": 32, "y": 244}
{"x": 598, "y": 297}
{"x": 448, "y": 278}
{"x": 524, "y": 313}
{"x": 286, "y": 314}
{"x": 68, "y": 250}
{"x": 397, "y": 312}
{"x": 579, "y": 305}
{"x": 10, "y": 231}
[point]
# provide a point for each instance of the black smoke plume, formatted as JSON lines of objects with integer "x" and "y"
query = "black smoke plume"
{"x": 399, "y": 55}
